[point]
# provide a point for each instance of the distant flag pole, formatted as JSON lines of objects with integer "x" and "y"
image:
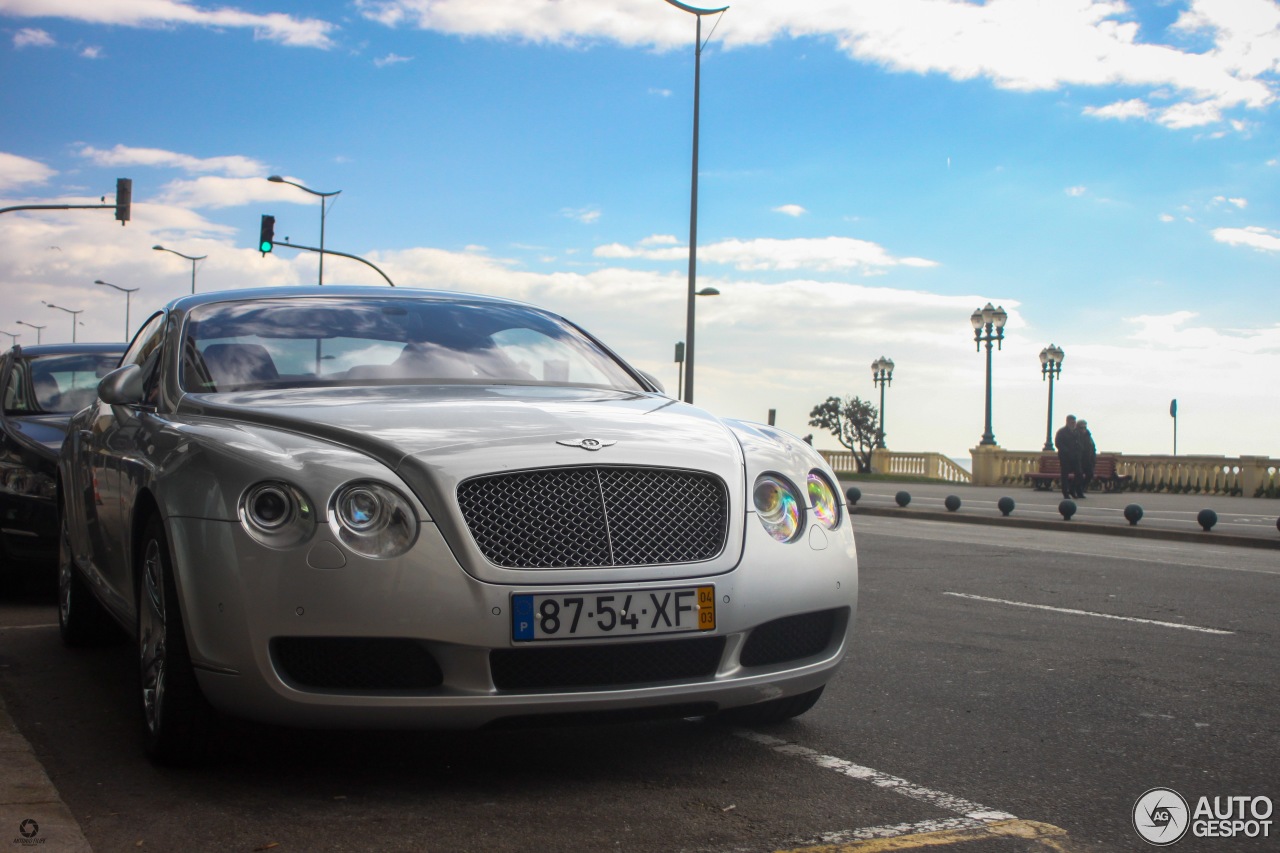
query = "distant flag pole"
{"x": 1173, "y": 413}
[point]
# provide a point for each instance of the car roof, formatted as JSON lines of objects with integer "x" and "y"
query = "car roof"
{"x": 38, "y": 350}
{"x": 186, "y": 303}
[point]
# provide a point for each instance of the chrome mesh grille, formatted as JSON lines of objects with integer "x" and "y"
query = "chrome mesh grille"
{"x": 584, "y": 517}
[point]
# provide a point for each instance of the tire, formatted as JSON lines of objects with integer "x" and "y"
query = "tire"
{"x": 772, "y": 712}
{"x": 177, "y": 721}
{"x": 82, "y": 621}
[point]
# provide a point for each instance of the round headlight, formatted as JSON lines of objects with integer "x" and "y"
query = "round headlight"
{"x": 778, "y": 507}
{"x": 269, "y": 506}
{"x": 276, "y": 514}
{"x": 373, "y": 520}
{"x": 823, "y": 499}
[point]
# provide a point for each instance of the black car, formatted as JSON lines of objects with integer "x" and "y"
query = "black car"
{"x": 43, "y": 386}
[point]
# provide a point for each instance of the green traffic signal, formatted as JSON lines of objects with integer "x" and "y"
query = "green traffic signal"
{"x": 267, "y": 234}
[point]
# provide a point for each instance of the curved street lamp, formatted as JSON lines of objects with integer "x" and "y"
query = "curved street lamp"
{"x": 693, "y": 192}
{"x": 13, "y": 337}
{"x": 276, "y": 179}
{"x": 38, "y": 329}
{"x": 882, "y": 375}
{"x": 128, "y": 294}
{"x": 1050, "y": 368}
{"x": 74, "y": 317}
{"x": 988, "y": 326}
{"x": 680, "y": 348}
{"x": 192, "y": 258}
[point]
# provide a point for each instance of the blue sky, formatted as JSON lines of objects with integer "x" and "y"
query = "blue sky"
{"x": 871, "y": 172}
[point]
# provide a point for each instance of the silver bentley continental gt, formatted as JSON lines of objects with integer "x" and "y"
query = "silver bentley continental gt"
{"x": 349, "y": 507}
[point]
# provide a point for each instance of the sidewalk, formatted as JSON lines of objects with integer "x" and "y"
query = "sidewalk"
{"x": 1249, "y": 522}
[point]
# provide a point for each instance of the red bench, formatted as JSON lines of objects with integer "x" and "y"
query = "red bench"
{"x": 1104, "y": 474}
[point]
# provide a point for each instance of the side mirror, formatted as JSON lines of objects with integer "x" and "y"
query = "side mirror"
{"x": 653, "y": 380}
{"x": 122, "y": 386}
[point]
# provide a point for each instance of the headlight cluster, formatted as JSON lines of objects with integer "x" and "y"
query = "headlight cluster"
{"x": 276, "y": 514}
{"x": 781, "y": 507}
{"x": 371, "y": 519}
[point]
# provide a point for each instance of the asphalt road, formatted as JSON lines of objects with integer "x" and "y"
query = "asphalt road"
{"x": 1009, "y": 690}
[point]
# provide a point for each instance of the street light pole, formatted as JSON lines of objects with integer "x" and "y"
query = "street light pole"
{"x": 75, "y": 316}
{"x": 882, "y": 375}
{"x": 128, "y": 294}
{"x": 693, "y": 194}
{"x": 13, "y": 337}
{"x": 988, "y": 326}
{"x": 1050, "y": 367}
{"x": 324, "y": 197}
{"x": 191, "y": 258}
{"x": 38, "y": 329}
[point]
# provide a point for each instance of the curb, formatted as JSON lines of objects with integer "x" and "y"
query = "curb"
{"x": 31, "y": 812}
{"x": 1207, "y": 538}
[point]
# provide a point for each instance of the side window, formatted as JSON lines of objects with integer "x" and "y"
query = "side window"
{"x": 145, "y": 352}
{"x": 15, "y": 396}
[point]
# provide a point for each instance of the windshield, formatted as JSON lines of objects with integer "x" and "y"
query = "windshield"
{"x": 56, "y": 384}
{"x": 319, "y": 341}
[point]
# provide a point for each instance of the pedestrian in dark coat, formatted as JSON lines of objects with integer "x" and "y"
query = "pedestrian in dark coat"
{"x": 1067, "y": 442}
{"x": 1088, "y": 454}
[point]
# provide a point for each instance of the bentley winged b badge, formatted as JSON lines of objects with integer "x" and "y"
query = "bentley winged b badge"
{"x": 588, "y": 443}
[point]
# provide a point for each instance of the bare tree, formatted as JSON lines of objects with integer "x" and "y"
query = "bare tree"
{"x": 854, "y": 422}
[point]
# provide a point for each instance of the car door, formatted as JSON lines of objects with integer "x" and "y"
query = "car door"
{"x": 114, "y": 452}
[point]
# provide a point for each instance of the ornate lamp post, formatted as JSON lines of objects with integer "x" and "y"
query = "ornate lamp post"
{"x": 74, "y": 317}
{"x": 128, "y": 294}
{"x": 191, "y": 258}
{"x": 693, "y": 193}
{"x": 988, "y": 327}
{"x": 324, "y": 198}
{"x": 1050, "y": 368}
{"x": 882, "y": 375}
{"x": 38, "y": 329}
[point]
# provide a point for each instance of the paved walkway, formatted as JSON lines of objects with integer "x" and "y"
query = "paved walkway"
{"x": 1241, "y": 521}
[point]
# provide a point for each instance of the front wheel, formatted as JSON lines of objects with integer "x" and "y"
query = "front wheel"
{"x": 772, "y": 712}
{"x": 177, "y": 720}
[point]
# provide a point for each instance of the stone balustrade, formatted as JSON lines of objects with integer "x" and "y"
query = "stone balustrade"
{"x": 1250, "y": 476}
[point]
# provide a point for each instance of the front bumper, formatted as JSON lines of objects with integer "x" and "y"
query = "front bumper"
{"x": 317, "y": 636}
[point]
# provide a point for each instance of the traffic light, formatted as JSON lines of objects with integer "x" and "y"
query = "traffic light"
{"x": 267, "y": 235}
{"x": 124, "y": 198}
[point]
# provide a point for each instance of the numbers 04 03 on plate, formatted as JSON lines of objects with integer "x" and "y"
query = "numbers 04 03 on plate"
{"x": 577, "y": 615}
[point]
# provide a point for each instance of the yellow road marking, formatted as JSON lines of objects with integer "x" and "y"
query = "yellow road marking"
{"x": 1049, "y": 836}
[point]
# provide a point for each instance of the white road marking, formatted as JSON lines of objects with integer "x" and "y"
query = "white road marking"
{"x": 1069, "y": 610}
{"x": 8, "y": 627}
{"x": 947, "y": 802}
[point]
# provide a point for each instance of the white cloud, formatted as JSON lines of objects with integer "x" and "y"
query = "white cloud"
{"x": 273, "y": 26}
{"x": 662, "y": 93}
{"x": 1252, "y": 237}
{"x": 91, "y": 52}
{"x": 1020, "y": 45}
{"x": 1076, "y": 192}
{"x": 821, "y": 254}
{"x": 16, "y": 171}
{"x": 1165, "y": 217}
{"x": 1132, "y": 108}
{"x": 31, "y": 37}
{"x": 585, "y": 215}
{"x": 212, "y": 191}
{"x": 234, "y": 165}
{"x": 790, "y": 210}
{"x": 391, "y": 59}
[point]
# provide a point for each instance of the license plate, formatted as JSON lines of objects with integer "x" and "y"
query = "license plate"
{"x": 577, "y": 615}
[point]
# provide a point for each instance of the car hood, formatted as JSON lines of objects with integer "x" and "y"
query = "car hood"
{"x": 43, "y": 433}
{"x": 434, "y": 437}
